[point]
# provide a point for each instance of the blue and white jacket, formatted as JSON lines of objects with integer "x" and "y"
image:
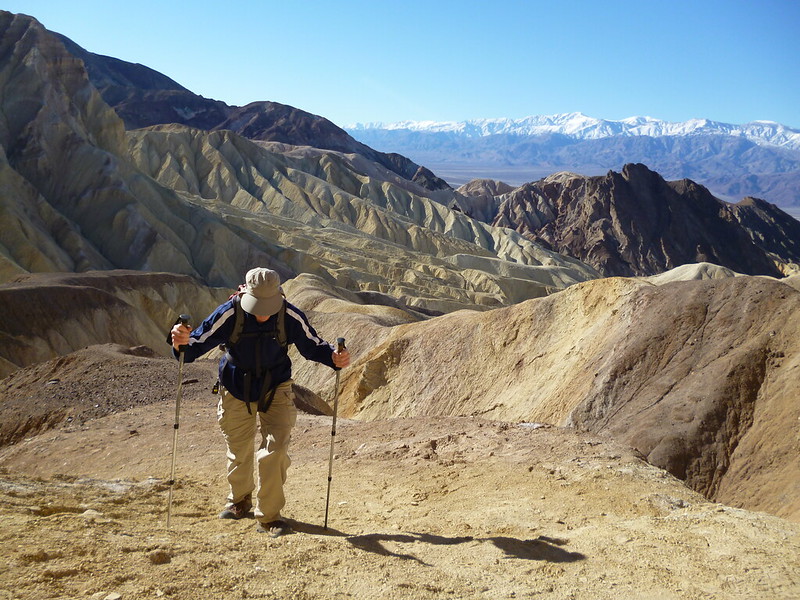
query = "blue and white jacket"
{"x": 252, "y": 351}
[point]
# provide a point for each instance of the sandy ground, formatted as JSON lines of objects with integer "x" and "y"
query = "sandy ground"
{"x": 420, "y": 508}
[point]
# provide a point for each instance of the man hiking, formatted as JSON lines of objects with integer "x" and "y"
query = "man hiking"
{"x": 255, "y": 326}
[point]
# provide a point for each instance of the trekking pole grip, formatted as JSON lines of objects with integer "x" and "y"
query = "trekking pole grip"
{"x": 184, "y": 320}
{"x": 340, "y": 344}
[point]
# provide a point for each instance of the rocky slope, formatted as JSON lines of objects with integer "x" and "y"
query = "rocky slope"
{"x": 143, "y": 97}
{"x": 429, "y": 505}
{"x": 636, "y": 223}
{"x": 80, "y": 193}
{"x": 698, "y": 373}
{"x": 559, "y": 516}
{"x": 700, "y": 376}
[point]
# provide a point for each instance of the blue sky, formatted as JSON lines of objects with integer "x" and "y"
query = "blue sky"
{"x": 362, "y": 61}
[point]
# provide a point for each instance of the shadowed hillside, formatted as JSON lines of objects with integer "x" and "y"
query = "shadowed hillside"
{"x": 45, "y": 316}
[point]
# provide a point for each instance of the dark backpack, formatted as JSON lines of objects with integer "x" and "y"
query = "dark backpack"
{"x": 279, "y": 334}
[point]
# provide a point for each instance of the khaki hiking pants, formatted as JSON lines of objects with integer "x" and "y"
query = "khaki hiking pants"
{"x": 272, "y": 457}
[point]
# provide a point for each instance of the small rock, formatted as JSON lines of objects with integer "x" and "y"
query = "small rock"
{"x": 159, "y": 557}
{"x": 113, "y": 596}
{"x": 36, "y": 556}
{"x": 623, "y": 539}
{"x": 93, "y": 516}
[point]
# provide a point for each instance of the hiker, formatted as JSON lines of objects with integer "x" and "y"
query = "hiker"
{"x": 255, "y": 326}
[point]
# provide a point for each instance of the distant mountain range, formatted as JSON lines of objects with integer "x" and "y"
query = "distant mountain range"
{"x": 760, "y": 159}
{"x": 579, "y": 126}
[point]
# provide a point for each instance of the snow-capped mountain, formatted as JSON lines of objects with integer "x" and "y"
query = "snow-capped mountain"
{"x": 760, "y": 159}
{"x": 580, "y": 126}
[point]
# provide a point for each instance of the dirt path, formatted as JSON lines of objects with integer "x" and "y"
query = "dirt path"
{"x": 421, "y": 508}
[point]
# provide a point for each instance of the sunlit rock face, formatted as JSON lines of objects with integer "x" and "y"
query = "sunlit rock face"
{"x": 84, "y": 194}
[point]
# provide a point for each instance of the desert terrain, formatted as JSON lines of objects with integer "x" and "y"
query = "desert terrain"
{"x": 420, "y": 508}
{"x": 579, "y": 388}
{"x": 422, "y": 505}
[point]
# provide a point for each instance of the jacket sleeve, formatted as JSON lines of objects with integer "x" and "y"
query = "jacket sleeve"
{"x": 300, "y": 333}
{"x": 213, "y": 331}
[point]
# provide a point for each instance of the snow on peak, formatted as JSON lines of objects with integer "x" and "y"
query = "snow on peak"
{"x": 580, "y": 126}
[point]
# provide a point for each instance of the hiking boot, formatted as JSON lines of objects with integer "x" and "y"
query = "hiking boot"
{"x": 239, "y": 510}
{"x": 274, "y": 528}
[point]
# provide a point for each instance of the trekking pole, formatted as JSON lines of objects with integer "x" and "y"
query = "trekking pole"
{"x": 339, "y": 348}
{"x": 183, "y": 320}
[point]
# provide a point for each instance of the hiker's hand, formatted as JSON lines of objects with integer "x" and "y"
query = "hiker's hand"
{"x": 180, "y": 336}
{"x": 341, "y": 359}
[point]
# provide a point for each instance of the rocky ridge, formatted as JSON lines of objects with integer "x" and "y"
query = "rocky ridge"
{"x": 143, "y": 97}
{"x": 81, "y": 193}
{"x": 700, "y": 376}
{"x": 636, "y": 223}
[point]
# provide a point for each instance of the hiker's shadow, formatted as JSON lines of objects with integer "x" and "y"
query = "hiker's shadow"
{"x": 540, "y": 548}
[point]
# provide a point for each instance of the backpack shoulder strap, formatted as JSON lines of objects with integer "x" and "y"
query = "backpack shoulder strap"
{"x": 238, "y": 324}
{"x": 238, "y": 321}
{"x": 280, "y": 326}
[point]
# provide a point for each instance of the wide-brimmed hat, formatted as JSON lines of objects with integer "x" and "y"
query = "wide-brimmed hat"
{"x": 262, "y": 294}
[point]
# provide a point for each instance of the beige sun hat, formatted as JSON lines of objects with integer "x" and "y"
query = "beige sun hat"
{"x": 262, "y": 294}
